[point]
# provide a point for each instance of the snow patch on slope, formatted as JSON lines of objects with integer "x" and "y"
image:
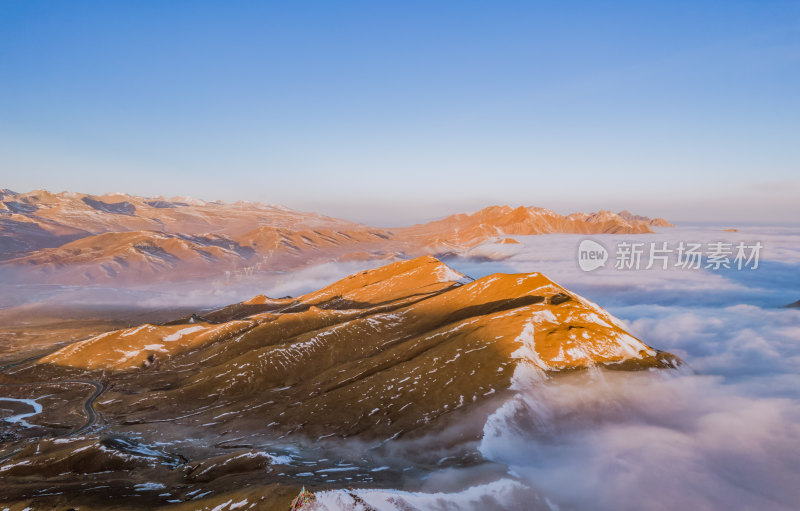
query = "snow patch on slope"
{"x": 180, "y": 333}
{"x": 446, "y": 274}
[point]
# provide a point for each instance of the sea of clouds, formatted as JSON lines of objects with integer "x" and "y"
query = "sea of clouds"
{"x": 721, "y": 433}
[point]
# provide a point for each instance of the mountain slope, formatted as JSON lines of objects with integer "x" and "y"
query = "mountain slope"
{"x": 379, "y": 353}
{"x": 66, "y": 216}
{"x": 148, "y": 256}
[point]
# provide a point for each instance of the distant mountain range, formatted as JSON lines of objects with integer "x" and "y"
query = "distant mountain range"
{"x": 78, "y": 238}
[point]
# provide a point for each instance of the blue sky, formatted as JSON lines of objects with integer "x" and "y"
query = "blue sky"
{"x": 396, "y": 112}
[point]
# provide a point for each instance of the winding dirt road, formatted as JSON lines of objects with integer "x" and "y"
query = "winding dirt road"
{"x": 93, "y": 417}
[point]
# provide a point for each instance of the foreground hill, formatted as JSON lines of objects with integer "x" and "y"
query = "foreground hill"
{"x": 394, "y": 356}
{"x": 72, "y": 238}
{"x": 379, "y": 353}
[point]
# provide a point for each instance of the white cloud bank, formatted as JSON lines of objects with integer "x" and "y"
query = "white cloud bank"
{"x": 723, "y": 433}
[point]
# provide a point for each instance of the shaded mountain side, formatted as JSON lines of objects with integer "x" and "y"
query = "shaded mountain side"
{"x": 655, "y": 222}
{"x": 379, "y": 354}
{"x": 20, "y": 236}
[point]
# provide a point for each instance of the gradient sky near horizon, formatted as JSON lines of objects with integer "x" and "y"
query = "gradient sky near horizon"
{"x": 392, "y": 112}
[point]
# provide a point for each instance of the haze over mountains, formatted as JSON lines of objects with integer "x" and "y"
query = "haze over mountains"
{"x": 80, "y": 239}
